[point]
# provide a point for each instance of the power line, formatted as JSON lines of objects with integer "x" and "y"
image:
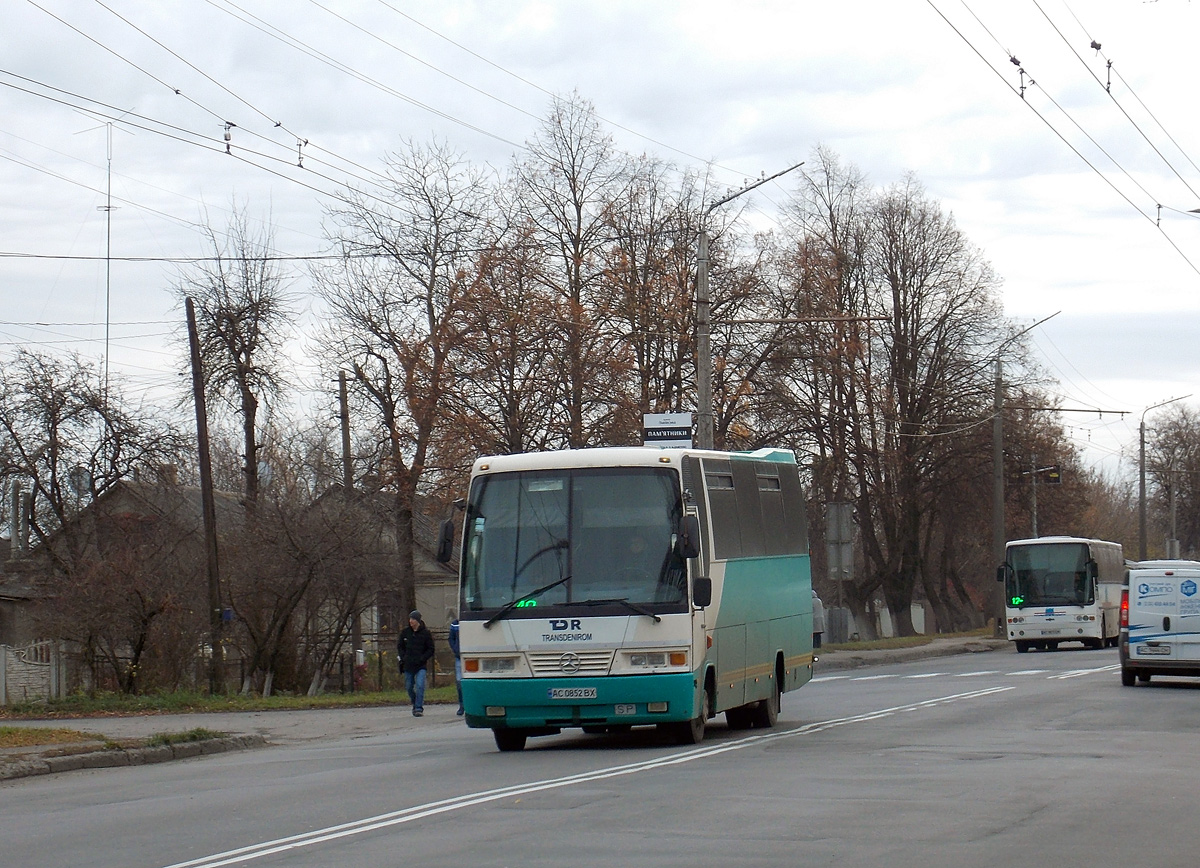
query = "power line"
{"x": 549, "y": 93}
{"x": 1060, "y": 136}
{"x": 316, "y": 54}
{"x": 1116, "y": 102}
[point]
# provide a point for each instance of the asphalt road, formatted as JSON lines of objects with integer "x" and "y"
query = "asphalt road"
{"x": 971, "y": 760}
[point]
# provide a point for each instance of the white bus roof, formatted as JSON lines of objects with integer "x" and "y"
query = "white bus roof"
{"x": 1044, "y": 540}
{"x": 617, "y": 456}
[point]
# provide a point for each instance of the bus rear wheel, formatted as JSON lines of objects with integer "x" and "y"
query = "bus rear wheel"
{"x": 739, "y": 718}
{"x": 766, "y": 713}
{"x": 509, "y": 739}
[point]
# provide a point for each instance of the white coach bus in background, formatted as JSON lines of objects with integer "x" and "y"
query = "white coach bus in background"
{"x": 1062, "y": 589}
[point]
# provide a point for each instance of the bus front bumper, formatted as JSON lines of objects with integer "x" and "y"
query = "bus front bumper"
{"x": 555, "y": 703}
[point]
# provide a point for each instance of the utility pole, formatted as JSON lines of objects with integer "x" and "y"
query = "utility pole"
{"x": 995, "y": 605}
{"x": 344, "y": 414}
{"x": 208, "y": 507}
{"x": 356, "y": 636}
{"x": 704, "y": 407}
{"x": 998, "y": 467}
{"x": 1033, "y": 475}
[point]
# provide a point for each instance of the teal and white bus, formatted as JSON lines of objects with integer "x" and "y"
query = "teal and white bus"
{"x": 619, "y": 587}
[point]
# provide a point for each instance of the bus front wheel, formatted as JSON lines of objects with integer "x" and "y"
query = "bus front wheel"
{"x": 509, "y": 739}
{"x": 692, "y": 731}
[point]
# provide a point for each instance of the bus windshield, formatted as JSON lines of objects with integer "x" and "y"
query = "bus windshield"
{"x": 584, "y": 536}
{"x": 1051, "y": 574}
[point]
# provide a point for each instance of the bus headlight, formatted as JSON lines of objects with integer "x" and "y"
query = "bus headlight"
{"x": 648, "y": 658}
{"x": 657, "y": 659}
{"x": 497, "y": 664}
{"x": 489, "y": 665}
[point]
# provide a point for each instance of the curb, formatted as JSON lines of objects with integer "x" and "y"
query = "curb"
{"x": 136, "y": 756}
{"x": 838, "y": 660}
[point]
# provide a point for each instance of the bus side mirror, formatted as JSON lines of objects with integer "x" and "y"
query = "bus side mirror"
{"x": 1002, "y": 572}
{"x": 689, "y": 538}
{"x": 702, "y": 592}
{"x": 1092, "y": 570}
{"x": 445, "y": 543}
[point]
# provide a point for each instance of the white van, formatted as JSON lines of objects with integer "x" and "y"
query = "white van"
{"x": 1160, "y": 620}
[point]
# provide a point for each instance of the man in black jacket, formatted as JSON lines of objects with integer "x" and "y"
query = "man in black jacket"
{"x": 414, "y": 650}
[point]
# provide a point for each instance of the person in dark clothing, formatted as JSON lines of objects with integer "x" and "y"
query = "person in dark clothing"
{"x": 414, "y": 650}
{"x": 454, "y": 647}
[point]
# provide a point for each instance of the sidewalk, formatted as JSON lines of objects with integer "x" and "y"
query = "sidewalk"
{"x": 119, "y": 740}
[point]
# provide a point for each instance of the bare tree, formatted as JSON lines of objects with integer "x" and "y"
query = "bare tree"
{"x": 503, "y": 370}
{"x": 1173, "y": 471}
{"x": 393, "y": 302}
{"x": 129, "y": 599}
{"x": 649, "y": 271}
{"x": 244, "y": 319}
{"x": 67, "y": 440}
{"x": 567, "y": 183}
{"x": 938, "y": 297}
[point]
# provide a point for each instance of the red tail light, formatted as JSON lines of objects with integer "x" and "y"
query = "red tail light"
{"x": 1125, "y": 608}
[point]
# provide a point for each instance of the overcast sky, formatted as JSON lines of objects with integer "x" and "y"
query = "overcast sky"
{"x": 1060, "y": 188}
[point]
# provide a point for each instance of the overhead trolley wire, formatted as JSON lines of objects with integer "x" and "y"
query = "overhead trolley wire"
{"x": 549, "y": 93}
{"x": 1157, "y": 223}
{"x": 316, "y": 54}
{"x": 192, "y": 66}
{"x": 1116, "y": 102}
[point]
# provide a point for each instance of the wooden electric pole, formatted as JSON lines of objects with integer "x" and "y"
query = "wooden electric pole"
{"x": 209, "y": 509}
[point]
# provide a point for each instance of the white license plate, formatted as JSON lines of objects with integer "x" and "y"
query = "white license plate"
{"x": 1152, "y": 650}
{"x": 1051, "y": 632}
{"x": 625, "y": 709}
{"x": 572, "y": 692}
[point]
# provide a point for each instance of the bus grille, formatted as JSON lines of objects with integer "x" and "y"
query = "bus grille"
{"x": 559, "y": 663}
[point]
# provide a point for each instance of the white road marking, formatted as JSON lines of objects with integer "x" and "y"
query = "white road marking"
{"x": 1030, "y": 672}
{"x": 874, "y": 677}
{"x": 417, "y": 812}
{"x": 926, "y": 675}
{"x": 975, "y": 674}
{"x": 1075, "y": 673}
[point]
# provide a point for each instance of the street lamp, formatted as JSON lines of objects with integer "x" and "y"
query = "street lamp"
{"x": 704, "y": 408}
{"x": 998, "y": 443}
{"x": 998, "y": 534}
{"x": 1142, "y": 475}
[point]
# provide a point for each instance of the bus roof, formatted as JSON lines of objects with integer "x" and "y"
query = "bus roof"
{"x": 619, "y": 456}
{"x": 1046, "y": 540}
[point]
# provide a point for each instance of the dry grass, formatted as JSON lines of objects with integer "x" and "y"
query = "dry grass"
{"x": 36, "y": 736}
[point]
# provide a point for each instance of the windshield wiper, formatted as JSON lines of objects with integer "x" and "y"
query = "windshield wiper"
{"x": 624, "y": 601}
{"x": 512, "y": 604}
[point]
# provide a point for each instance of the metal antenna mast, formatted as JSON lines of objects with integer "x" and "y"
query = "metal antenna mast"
{"x": 107, "y": 209}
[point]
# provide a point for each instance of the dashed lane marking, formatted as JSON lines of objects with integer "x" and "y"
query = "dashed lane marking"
{"x": 468, "y": 800}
